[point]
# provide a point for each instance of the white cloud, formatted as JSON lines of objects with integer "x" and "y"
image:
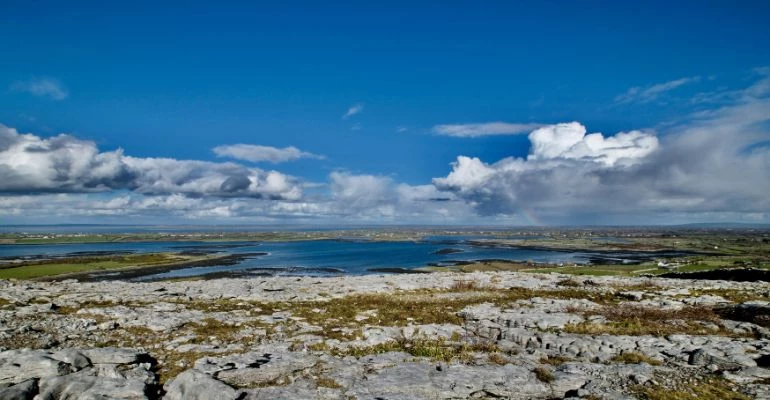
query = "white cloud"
{"x": 256, "y": 153}
{"x": 647, "y": 94}
{"x": 569, "y": 141}
{"x": 717, "y": 164}
{"x": 63, "y": 163}
{"x": 353, "y": 110}
{"x": 484, "y": 129}
{"x": 42, "y": 87}
{"x": 376, "y": 197}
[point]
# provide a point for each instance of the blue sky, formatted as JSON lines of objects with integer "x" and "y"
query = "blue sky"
{"x": 178, "y": 80}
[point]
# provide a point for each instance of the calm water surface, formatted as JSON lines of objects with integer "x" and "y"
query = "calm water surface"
{"x": 317, "y": 257}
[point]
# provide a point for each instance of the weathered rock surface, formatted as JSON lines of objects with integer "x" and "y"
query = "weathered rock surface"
{"x": 196, "y": 385}
{"x": 260, "y": 338}
{"x": 104, "y": 373}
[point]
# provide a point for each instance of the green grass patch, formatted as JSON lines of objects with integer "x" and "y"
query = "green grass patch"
{"x": 70, "y": 265}
{"x": 593, "y": 270}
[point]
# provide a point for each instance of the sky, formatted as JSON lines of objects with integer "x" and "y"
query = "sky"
{"x": 336, "y": 113}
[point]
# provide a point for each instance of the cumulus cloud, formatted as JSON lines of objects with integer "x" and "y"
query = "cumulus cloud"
{"x": 484, "y": 129}
{"x": 713, "y": 166}
{"x": 29, "y": 163}
{"x": 569, "y": 141}
{"x": 718, "y": 163}
{"x": 647, "y": 94}
{"x": 256, "y": 153}
{"x": 376, "y": 197}
{"x": 42, "y": 87}
{"x": 353, "y": 110}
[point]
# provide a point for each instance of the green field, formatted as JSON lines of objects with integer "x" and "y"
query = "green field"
{"x": 72, "y": 265}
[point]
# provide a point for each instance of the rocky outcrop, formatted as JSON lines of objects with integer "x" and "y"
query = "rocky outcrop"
{"x": 105, "y": 373}
{"x": 330, "y": 338}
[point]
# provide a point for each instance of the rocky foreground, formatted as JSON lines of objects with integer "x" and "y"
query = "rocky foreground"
{"x": 432, "y": 336}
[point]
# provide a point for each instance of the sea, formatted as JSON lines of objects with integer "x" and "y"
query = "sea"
{"x": 311, "y": 257}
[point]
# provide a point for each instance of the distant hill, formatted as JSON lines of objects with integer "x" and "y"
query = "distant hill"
{"x": 724, "y": 225}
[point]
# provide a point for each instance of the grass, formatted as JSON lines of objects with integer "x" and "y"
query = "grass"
{"x": 328, "y": 383}
{"x": 481, "y": 266}
{"x": 544, "y": 374}
{"x": 593, "y": 270}
{"x": 569, "y": 283}
{"x": 434, "y": 349}
{"x": 637, "y": 321}
{"x": 555, "y": 360}
{"x": 709, "y": 389}
{"x": 336, "y": 318}
{"x": 733, "y": 295}
{"x": 465, "y": 285}
{"x": 69, "y": 265}
{"x": 632, "y": 357}
{"x": 497, "y": 358}
{"x": 419, "y": 307}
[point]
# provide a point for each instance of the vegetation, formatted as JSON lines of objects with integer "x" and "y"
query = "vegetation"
{"x": 497, "y": 358}
{"x": 733, "y": 295}
{"x": 418, "y": 307}
{"x": 555, "y": 360}
{"x": 544, "y": 375}
{"x": 435, "y": 349}
{"x": 632, "y": 357}
{"x": 702, "y": 249}
{"x": 68, "y": 265}
{"x": 633, "y": 320}
{"x": 327, "y": 383}
{"x": 709, "y": 389}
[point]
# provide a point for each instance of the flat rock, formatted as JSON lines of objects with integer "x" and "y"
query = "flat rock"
{"x": 113, "y": 355}
{"x": 197, "y": 385}
{"x": 419, "y": 380}
{"x": 267, "y": 368}
{"x": 81, "y": 386}
{"x": 17, "y": 366}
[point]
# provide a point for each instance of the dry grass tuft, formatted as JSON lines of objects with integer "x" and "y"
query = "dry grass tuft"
{"x": 632, "y": 357}
{"x": 555, "y": 360}
{"x": 435, "y": 349}
{"x": 328, "y": 383}
{"x": 710, "y": 389}
{"x": 497, "y": 358}
{"x": 544, "y": 375}
{"x": 569, "y": 283}
{"x": 465, "y": 285}
{"x": 637, "y": 321}
{"x": 733, "y": 295}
